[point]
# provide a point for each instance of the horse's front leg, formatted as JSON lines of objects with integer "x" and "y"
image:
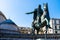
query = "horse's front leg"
{"x": 33, "y": 31}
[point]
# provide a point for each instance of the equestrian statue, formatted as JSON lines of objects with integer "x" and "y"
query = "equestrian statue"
{"x": 41, "y": 18}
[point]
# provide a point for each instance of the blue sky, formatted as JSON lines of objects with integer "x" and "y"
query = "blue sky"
{"x": 16, "y": 9}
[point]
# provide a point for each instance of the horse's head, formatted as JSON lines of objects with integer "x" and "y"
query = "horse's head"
{"x": 45, "y": 6}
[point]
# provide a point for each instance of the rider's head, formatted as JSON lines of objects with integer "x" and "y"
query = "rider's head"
{"x": 39, "y": 6}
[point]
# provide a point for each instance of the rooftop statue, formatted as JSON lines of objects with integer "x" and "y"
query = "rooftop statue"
{"x": 41, "y": 18}
{"x": 36, "y": 17}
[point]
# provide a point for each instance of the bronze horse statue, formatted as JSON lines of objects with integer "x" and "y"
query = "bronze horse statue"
{"x": 41, "y": 18}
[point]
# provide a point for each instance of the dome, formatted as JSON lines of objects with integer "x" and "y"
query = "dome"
{"x": 8, "y": 21}
{"x": 8, "y": 24}
{"x": 2, "y": 17}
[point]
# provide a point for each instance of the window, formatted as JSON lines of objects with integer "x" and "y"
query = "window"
{"x": 55, "y": 29}
{"x": 57, "y": 21}
{"x": 59, "y": 26}
{"x": 53, "y": 22}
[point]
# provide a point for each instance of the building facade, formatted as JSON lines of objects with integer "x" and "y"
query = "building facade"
{"x": 55, "y": 24}
{"x": 25, "y": 30}
{"x": 7, "y": 25}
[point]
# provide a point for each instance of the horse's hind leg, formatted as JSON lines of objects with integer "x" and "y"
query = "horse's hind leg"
{"x": 37, "y": 31}
{"x": 33, "y": 31}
